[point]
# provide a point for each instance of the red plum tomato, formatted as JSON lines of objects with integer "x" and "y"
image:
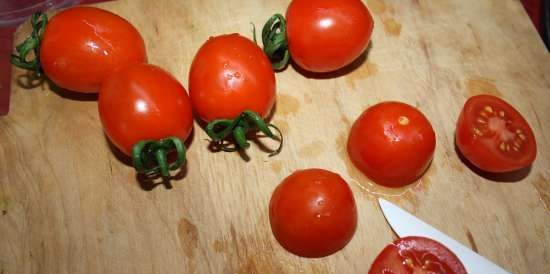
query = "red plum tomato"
{"x": 82, "y": 46}
{"x": 231, "y": 74}
{"x": 143, "y": 102}
{"x": 325, "y": 35}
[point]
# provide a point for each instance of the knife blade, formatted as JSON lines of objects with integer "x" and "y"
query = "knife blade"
{"x": 405, "y": 224}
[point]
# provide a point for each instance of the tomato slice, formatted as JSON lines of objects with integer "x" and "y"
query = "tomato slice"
{"x": 416, "y": 255}
{"x": 494, "y": 136}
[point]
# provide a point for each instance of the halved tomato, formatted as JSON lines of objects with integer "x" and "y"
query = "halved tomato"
{"x": 416, "y": 255}
{"x": 494, "y": 136}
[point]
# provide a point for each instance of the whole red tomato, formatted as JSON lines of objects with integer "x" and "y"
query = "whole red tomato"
{"x": 392, "y": 143}
{"x": 231, "y": 74}
{"x": 144, "y": 103}
{"x": 312, "y": 213}
{"x": 494, "y": 136}
{"x": 232, "y": 85}
{"x": 81, "y": 46}
{"x": 416, "y": 255}
{"x": 322, "y": 35}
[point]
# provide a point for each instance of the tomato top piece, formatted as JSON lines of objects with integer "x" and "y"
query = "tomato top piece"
{"x": 494, "y": 136}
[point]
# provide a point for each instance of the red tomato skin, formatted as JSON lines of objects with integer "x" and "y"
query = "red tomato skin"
{"x": 143, "y": 102}
{"x": 324, "y": 35}
{"x": 81, "y": 46}
{"x": 313, "y": 213}
{"x": 231, "y": 74}
{"x": 484, "y": 153}
{"x": 390, "y": 259}
{"x": 389, "y": 153}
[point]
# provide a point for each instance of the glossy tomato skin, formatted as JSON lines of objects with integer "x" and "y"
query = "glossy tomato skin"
{"x": 81, "y": 46}
{"x": 416, "y": 255}
{"x": 325, "y": 35}
{"x": 392, "y": 143}
{"x": 143, "y": 102}
{"x": 494, "y": 136}
{"x": 313, "y": 213}
{"x": 230, "y": 74}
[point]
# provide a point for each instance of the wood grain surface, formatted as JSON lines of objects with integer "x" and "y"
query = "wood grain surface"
{"x": 69, "y": 203}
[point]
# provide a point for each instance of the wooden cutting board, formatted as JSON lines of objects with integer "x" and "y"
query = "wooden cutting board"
{"x": 70, "y": 204}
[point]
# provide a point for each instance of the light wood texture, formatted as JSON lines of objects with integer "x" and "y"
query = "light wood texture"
{"x": 69, "y": 205}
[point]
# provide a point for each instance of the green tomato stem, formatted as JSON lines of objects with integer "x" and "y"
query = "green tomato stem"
{"x": 160, "y": 156}
{"x": 275, "y": 41}
{"x": 31, "y": 43}
{"x": 219, "y": 130}
{"x": 150, "y": 157}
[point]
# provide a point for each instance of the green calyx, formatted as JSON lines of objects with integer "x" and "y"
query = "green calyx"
{"x": 150, "y": 157}
{"x": 219, "y": 130}
{"x": 275, "y": 41}
{"x": 31, "y": 44}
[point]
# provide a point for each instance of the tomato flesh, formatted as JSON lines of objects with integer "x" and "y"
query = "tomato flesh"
{"x": 231, "y": 74}
{"x": 82, "y": 46}
{"x": 392, "y": 143}
{"x": 416, "y": 255}
{"x": 143, "y": 102}
{"x": 312, "y": 213}
{"x": 325, "y": 36}
{"x": 494, "y": 136}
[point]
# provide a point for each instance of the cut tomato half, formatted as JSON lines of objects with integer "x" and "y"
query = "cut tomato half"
{"x": 494, "y": 136}
{"x": 416, "y": 255}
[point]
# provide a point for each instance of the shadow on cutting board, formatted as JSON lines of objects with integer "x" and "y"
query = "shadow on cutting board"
{"x": 31, "y": 80}
{"x": 150, "y": 182}
{"x": 337, "y": 73}
{"x": 502, "y": 177}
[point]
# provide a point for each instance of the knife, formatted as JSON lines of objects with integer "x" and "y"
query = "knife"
{"x": 405, "y": 224}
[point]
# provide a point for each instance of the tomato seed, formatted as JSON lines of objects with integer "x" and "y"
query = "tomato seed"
{"x": 477, "y": 132}
{"x": 403, "y": 120}
{"x": 409, "y": 262}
